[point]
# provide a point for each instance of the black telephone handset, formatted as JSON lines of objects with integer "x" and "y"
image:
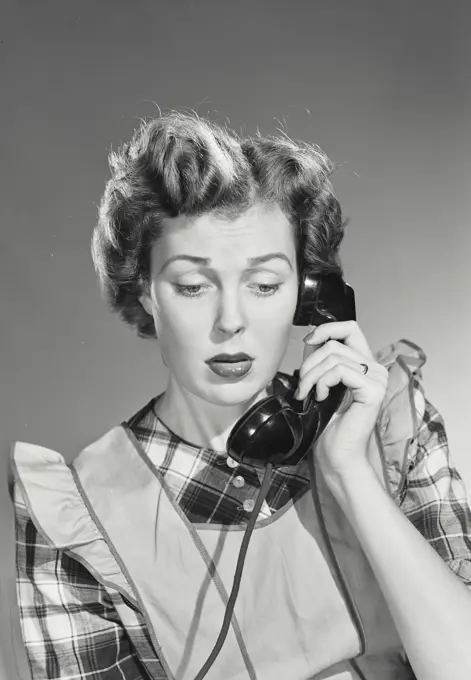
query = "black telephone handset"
{"x": 280, "y": 429}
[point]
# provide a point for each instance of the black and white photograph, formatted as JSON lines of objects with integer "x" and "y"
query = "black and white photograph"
{"x": 235, "y": 349}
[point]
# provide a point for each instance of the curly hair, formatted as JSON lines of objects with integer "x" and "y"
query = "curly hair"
{"x": 181, "y": 164}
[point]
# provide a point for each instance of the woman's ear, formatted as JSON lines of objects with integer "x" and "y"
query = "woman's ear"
{"x": 146, "y": 301}
{"x": 145, "y": 297}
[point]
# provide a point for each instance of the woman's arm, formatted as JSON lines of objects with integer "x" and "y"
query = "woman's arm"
{"x": 414, "y": 565}
{"x": 70, "y": 627}
{"x": 430, "y": 605}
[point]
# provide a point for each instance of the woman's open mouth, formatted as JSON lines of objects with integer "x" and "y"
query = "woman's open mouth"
{"x": 230, "y": 365}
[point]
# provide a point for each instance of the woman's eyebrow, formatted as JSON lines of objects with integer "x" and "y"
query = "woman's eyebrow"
{"x": 260, "y": 259}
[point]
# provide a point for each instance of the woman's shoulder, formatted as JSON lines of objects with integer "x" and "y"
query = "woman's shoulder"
{"x": 42, "y": 476}
{"x": 51, "y": 513}
{"x": 35, "y": 470}
{"x": 44, "y": 494}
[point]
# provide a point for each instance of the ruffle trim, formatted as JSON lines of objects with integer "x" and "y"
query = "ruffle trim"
{"x": 402, "y": 410}
{"x": 46, "y": 486}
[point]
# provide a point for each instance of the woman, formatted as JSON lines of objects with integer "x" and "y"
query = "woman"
{"x": 360, "y": 559}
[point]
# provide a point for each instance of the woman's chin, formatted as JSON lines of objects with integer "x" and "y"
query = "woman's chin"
{"x": 238, "y": 393}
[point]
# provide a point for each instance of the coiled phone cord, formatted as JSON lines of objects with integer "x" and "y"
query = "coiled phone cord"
{"x": 237, "y": 575}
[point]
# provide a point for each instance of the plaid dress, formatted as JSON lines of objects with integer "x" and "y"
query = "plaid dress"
{"x": 70, "y": 623}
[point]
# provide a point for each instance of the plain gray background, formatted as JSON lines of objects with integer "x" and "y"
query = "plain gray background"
{"x": 382, "y": 87}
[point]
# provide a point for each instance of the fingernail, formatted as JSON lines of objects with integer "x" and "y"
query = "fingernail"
{"x": 312, "y": 340}
{"x": 311, "y": 330}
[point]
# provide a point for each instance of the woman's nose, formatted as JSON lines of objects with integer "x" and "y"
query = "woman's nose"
{"x": 230, "y": 317}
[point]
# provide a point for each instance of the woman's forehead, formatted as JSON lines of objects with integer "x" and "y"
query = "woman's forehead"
{"x": 259, "y": 226}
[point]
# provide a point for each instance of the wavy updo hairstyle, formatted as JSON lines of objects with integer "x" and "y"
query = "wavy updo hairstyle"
{"x": 181, "y": 164}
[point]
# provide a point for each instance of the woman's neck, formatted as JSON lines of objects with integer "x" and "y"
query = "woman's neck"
{"x": 197, "y": 421}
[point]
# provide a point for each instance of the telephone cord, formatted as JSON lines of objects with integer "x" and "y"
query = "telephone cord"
{"x": 237, "y": 575}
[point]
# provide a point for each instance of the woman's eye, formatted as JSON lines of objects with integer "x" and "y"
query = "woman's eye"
{"x": 196, "y": 290}
{"x": 189, "y": 291}
{"x": 266, "y": 289}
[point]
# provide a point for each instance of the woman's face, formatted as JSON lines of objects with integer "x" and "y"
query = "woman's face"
{"x": 219, "y": 286}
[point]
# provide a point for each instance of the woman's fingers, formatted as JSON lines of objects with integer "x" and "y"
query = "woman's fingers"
{"x": 316, "y": 375}
{"x": 348, "y": 332}
{"x": 314, "y": 356}
{"x": 364, "y": 388}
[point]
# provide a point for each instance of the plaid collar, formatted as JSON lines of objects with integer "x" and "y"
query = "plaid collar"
{"x": 208, "y": 485}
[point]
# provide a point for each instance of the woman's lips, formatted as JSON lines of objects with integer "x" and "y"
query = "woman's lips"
{"x": 233, "y": 369}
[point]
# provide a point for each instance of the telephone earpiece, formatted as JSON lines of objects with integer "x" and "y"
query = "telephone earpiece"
{"x": 280, "y": 429}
